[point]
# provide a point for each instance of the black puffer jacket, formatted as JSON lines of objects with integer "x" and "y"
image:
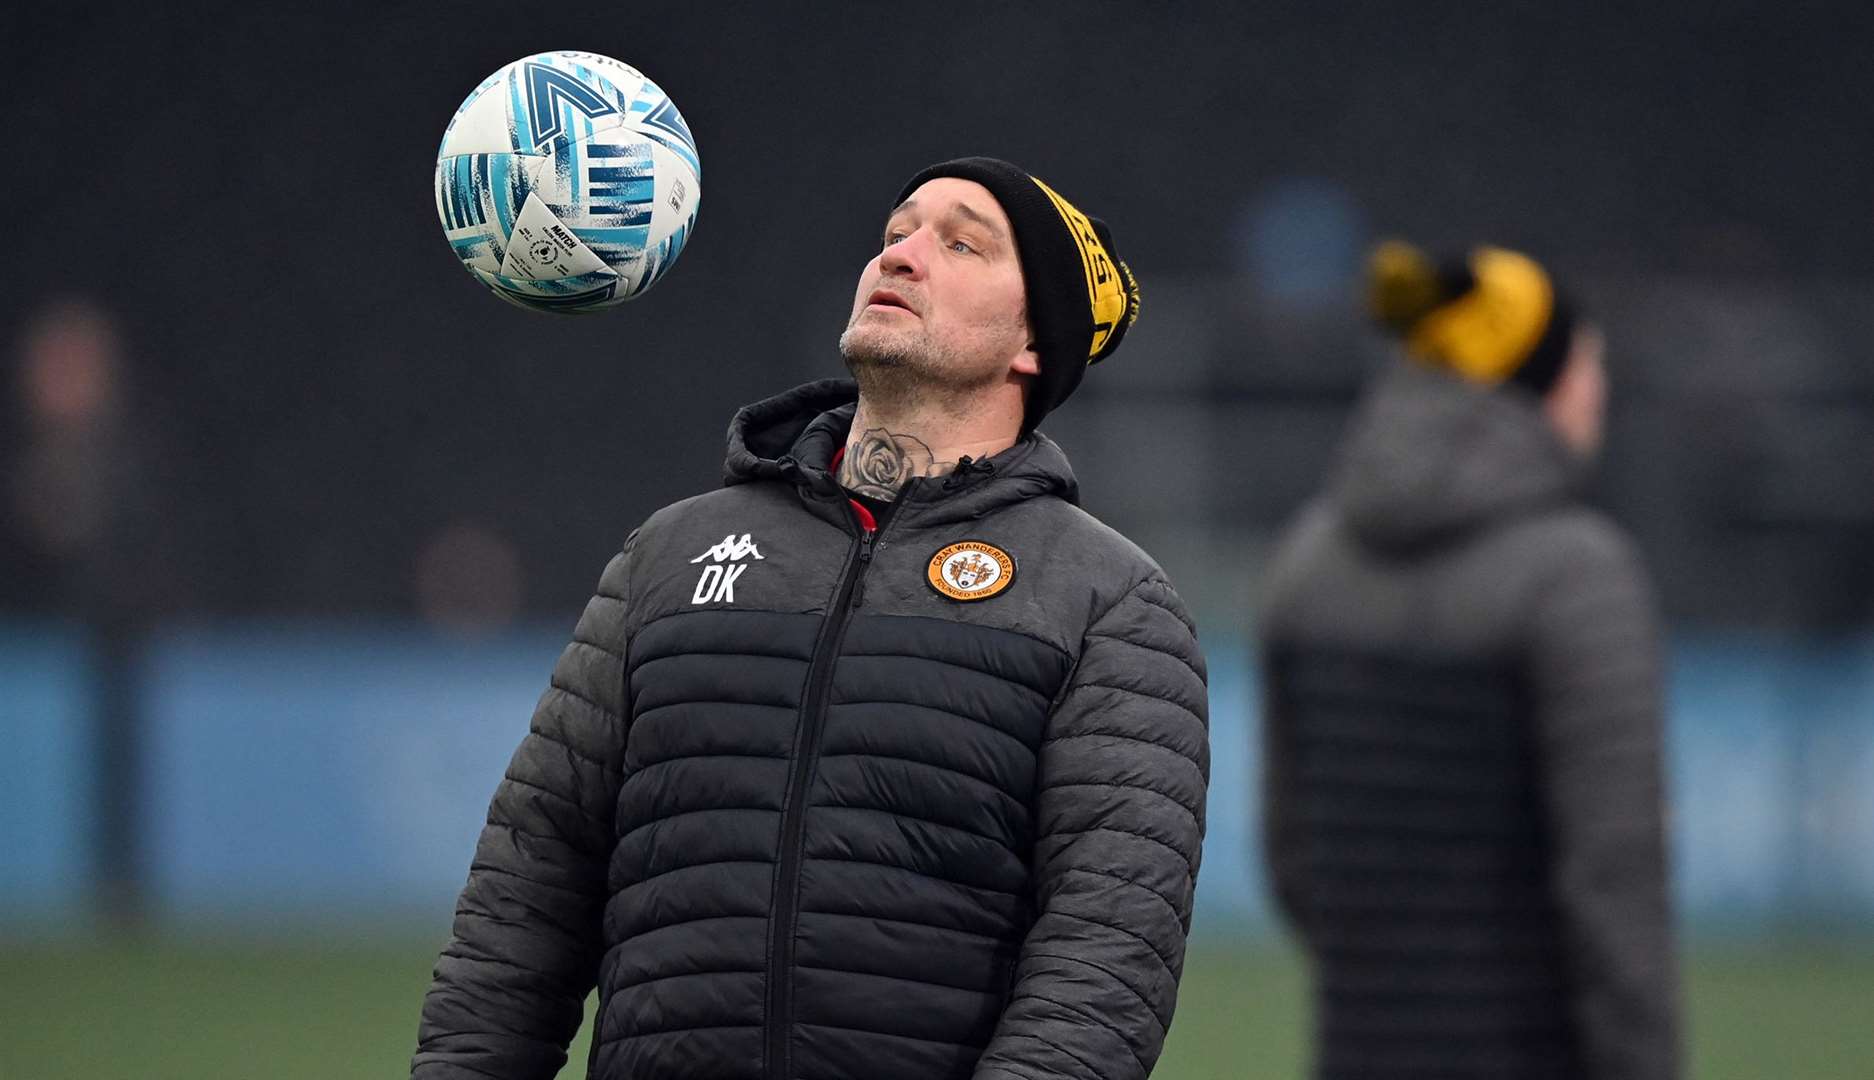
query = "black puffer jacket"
{"x": 1463, "y": 725}
{"x": 800, "y": 815}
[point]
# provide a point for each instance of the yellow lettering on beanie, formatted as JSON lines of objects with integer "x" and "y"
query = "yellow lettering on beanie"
{"x": 1107, "y": 288}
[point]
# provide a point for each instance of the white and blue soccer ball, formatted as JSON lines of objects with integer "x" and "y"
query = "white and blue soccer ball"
{"x": 568, "y": 182}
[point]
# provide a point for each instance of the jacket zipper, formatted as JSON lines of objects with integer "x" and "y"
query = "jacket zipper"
{"x": 780, "y": 1019}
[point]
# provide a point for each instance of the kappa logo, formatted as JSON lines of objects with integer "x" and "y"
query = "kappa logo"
{"x": 716, "y": 584}
{"x": 971, "y": 570}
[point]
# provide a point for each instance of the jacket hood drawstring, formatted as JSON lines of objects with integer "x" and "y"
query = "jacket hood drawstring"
{"x": 965, "y": 472}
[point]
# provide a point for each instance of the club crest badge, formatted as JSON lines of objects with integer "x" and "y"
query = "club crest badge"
{"x": 971, "y": 570}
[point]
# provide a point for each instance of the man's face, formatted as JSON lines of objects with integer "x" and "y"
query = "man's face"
{"x": 942, "y": 305}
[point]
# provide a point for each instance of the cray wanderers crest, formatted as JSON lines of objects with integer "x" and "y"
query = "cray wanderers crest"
{"x": 971, "y": 570}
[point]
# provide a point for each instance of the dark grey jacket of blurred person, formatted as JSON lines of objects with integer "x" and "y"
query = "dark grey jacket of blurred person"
{"x": 1462, "y": 746}
{"x": 830, "y": 823}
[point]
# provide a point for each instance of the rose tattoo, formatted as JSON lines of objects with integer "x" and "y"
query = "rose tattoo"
{"x": 881, "y": 462}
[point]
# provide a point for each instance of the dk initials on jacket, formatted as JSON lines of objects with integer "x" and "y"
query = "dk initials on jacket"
{"x": 716, "y": 584}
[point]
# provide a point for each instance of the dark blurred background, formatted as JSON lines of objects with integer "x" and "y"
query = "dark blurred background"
{"x": 295, "y": 515}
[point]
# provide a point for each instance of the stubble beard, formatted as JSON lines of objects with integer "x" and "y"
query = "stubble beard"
{"x": 911, "y": 372}
{"x": 898, "y": 372}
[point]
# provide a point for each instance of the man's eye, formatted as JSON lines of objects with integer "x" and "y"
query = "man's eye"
{"x": 892, "y": 238}
{"x": 961, "y": 247}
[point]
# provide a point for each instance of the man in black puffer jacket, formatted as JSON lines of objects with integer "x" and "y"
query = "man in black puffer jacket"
{"x": 1463, "y": 795}
{"x": 884, "y": 762}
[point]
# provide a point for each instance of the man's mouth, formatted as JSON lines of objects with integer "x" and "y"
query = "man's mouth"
{"x": 888, "y": 299}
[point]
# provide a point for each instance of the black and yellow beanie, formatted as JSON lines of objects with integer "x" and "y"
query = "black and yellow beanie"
{"x": 1081, "y": 297}
{"x": 1492, "y": 317}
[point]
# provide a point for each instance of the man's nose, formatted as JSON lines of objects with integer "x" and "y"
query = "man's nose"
{"x": 906, "y": 258}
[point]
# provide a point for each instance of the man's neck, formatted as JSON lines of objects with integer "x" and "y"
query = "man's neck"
{"x": 886, "y": 452}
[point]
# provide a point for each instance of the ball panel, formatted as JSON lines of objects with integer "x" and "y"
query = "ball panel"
{"x": 664, "y": 125}
{"x": 483, "y": 125}
{"x": 679, "y": 193}
{"x": 673, "y": 214}
{"x": 542, "y": 248}
{"x": 479, "y": 197}
{"x": 611, "y": 212}
{"x": 617, "y": 80}
{"x": 559, "y": 96}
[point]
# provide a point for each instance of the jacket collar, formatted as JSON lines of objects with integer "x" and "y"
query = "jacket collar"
{"x": 791, "y": 438}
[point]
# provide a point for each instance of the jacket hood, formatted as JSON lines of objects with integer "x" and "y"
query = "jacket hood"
{"x": 1430, "y": 456}
{"x": 793, "y": 436}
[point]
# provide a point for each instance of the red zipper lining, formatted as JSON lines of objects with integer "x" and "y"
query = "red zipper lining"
{"x": 866, "y": 520}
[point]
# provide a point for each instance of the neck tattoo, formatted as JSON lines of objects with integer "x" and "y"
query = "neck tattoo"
{"x": 878, "y": 463}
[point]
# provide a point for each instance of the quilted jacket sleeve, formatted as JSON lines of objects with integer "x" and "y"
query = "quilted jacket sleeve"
{"x": 1119, "y": 822}
{"x": 510, "y": 987}
{"x": 1596, "y": 661}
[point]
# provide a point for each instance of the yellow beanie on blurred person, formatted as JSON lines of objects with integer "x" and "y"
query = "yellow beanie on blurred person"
{"x": 1493, "y": 316}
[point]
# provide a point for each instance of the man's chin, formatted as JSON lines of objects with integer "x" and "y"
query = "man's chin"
{"x": 866, "y": 346}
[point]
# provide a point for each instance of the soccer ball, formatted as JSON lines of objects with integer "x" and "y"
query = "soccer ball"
{"x": 568, "y": 182}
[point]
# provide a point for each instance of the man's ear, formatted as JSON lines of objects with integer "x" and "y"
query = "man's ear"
{"x": 1026, "y": 362}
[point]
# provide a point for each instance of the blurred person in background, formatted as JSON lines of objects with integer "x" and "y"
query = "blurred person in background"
{"x": 1462, "y": 711}
{"x": 89, "y": 534}
{"x": 90, "y": 520}
{"x": 885, "y": 760}
{"x": 69, "y": 466}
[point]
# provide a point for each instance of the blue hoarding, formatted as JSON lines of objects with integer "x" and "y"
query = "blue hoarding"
{"x": 342, "y": 770}
{"x": 46, "y": 795}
